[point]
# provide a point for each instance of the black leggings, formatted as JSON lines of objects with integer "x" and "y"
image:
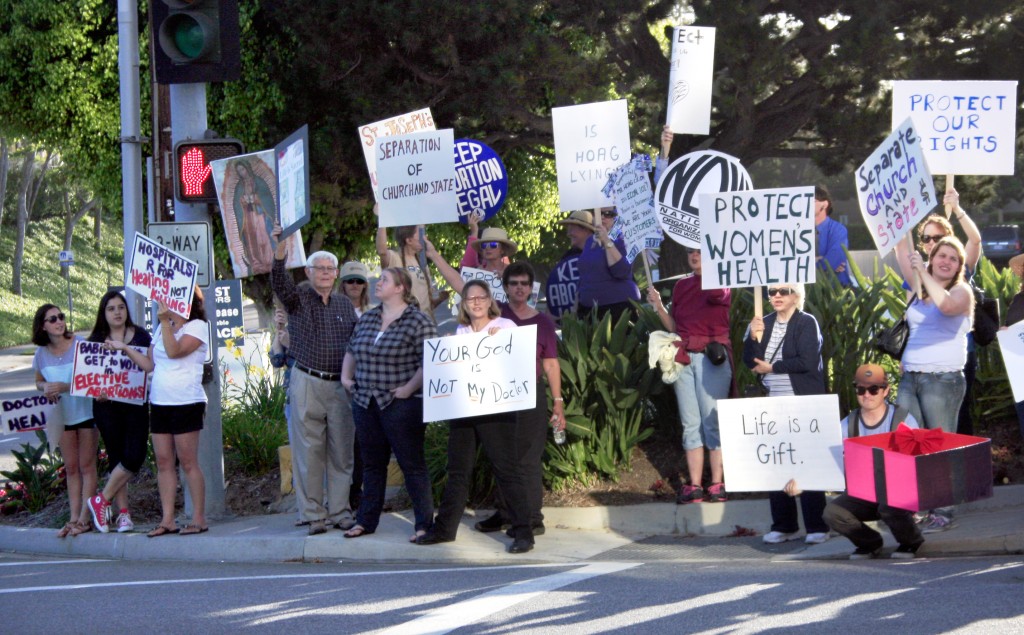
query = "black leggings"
{"x": 125, "y": 431}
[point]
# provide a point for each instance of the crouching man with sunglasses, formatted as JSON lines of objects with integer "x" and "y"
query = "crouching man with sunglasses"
{"x": 846, "y": 514}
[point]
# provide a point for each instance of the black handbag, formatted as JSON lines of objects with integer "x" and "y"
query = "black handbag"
{"x": 716, "y": 352}
{"x": 893, "y": 340}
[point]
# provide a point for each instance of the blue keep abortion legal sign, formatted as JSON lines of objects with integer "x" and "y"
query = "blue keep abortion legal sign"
{"x": 481, "y": 180}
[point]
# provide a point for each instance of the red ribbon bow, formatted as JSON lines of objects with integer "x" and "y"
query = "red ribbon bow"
{"x": 914, "y": 442}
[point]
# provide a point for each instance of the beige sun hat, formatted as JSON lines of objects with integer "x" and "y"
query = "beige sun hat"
{"x": 580, "y": 217}
{"x": 1017, "y": 265}
{"x": 353, "y": 270}
{"x": 495, "y": 235}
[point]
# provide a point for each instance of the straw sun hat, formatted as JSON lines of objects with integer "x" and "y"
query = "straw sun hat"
{"x": 495, "y": 235}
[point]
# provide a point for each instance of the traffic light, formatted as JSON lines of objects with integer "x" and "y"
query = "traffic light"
{"x": 193, "y": 182}
{"x": 195, "y": 41}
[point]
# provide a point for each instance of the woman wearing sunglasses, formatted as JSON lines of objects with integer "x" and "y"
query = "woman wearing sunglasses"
{"x": 54, "y": 363}
{"x": 492, "y": 251}
{"x": 354, "y": 285}
{"x": 787, "y": 361}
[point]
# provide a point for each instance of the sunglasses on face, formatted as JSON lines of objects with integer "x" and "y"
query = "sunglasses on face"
{"x": 874, "y": 390}
{"x": 53, "y": 319}
{"x": 518, "y": 283}
{"x": 490, "y": 245}
{"x": 926, "y": 239}
{"x": 354, "y": 281}
{"x": 609, "y": 214}
{"x": 783, "y": 291}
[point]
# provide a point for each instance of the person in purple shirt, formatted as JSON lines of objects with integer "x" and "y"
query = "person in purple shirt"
{"x": 831, "y": 237}
{"x": 606, "y": 277}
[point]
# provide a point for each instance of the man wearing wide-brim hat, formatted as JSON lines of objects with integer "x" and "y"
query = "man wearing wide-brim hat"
{"x": 606, "y": 276}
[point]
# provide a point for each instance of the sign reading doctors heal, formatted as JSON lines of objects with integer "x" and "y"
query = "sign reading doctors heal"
{"x": 417, "y": 179}
{"x": 481, "y": 180}
{"x": 757, "y": 237}
{"x": 894, "y": 187}
{"x": 591, "y": 140}
{"x": 25, "y": 413}
{"x": 371, "y": 133}
{"x": 159, "y": 274}
{"x": 99, "y": 372}
{"x": 965, "y": 127}
{"x": 690, "y": 78}
{"x": 678, "y": 192}
{"x": 771, "y": 440}
{"x": 478, "y": 374}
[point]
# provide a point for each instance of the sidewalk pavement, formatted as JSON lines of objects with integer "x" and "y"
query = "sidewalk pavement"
{"x": 990, "y": 527}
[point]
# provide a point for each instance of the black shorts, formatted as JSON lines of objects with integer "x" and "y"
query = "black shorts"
{"x": 176, "y": 419}
{"x": 88, "y": 424}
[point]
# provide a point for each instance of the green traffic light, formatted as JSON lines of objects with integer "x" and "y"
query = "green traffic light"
{"x": 188, "y": 36}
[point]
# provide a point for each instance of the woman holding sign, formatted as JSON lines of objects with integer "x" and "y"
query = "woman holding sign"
{"x": 123, "y": 426}
{"x": 409, "y": 240}
{"x": 54, "y": 363}
{"x": 491, "y": 252}
{"x": 606, "y": 276}
{"x": 787, "y": 361}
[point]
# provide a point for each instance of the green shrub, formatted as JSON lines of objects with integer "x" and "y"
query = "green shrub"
{"x": 36, "y": 480}
{"x": 252, "y": 418}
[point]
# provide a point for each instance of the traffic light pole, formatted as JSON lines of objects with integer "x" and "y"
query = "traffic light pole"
{"x": 188, "y": 121}
{"x": 131, "y": 131}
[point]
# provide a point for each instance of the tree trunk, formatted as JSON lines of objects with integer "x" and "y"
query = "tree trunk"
{"x": 27, "y": 170}
{"x": 97, "y": 226}
{"x": 31, "y": 202}
{"x": 4, "y": 165}
{"x": 70, "y": 221}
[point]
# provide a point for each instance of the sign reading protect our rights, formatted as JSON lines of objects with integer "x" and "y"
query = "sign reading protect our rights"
{"x": 894, "y": 187}
{"x": 591, "y": 140}
{"x": 371, "y": 133}
{"x": 965, "y": 127}
{"x": 481, "y": 180}
{"x": 757, "y": 237}
{"x": 477, "y": 374}
{"x": 99, "y": 372}
{"x": 417, "y": 178}
{"x": 159, "y": 274}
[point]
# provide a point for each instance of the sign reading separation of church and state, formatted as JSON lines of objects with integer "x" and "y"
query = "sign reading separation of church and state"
{"x": 159, "y": 274}
{"x": 630, "y": 188}
{"x": 481, "y": 180}
{"x": 416, "y": 178}
{"x": 894, "y": 187}
{"x": 25, "y": 413}
{"x": 105, "y": 373}
{"x": 678, "y": 192}
{"x": 371, "y": 133}
{"x": 478, "y": 373}
{"x": 966, "y": 127}
{"x": 690, "y": 80}
{"x": 757, "y": 237}
{"x": 591, "y": 140}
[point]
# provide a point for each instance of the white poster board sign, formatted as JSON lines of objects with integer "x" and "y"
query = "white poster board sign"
{"x": 965, "y": 127}
{"x": 99, "y": 372}
{"x": 679, "y": 189}
{"x": 894, "y": 187}
{"x": 591, "y": 140}
{"x": 477, "y": 374}
{"x": 768, "y": 440}
{"x": 690, "y": 79}
{"x": 25, "y": 413}
{"x": 637, "y": 223}
{"x": 293, "y": 206}
{"x": 416, "y": 174}
{"x": 757, "y": 237}
{"x": 1011, "y": 344}
{"x": 159, "y": 274}
{"x": 416, "y": 121}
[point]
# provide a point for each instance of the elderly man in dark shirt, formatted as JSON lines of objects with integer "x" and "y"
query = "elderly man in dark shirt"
{"x": 320, "y": 325}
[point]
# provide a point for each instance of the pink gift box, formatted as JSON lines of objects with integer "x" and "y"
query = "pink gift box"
{"x": 958, "y": 472}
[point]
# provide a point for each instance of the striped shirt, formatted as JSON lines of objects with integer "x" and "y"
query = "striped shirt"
{"x": 386, "y": 360}
{"x": 778, "y": 384}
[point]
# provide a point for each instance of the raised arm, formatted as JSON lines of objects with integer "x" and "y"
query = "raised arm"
{"x": 448, "y": 272}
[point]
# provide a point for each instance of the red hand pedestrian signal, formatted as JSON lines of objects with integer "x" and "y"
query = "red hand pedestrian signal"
{"x": 193, "y": 182}
{"x": 194, "y": 170}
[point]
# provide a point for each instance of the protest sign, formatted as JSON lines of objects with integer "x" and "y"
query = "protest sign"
{"x": 416, "y": 179}
{"x": 591, "y": 140}
{"x": 190, "y": 239}
{"x": 1011, "y": 345}
{"x": 894, "y": 187}
{"x": 292, "y": 168}
{"x": 757, "y": 237}
{"x": 678, "y": 192}
{"x": 247, "y": 190}
{"x": 965, "y": 127}
{"x": 562, "y": 285}
{"x": 493, "y": 281}
{"x": 100, "y": 372}
{"x": 630, "y": 189}
{"x": 769, "y": 440}
{"x": 370, "y": 134}
{"x": 481, "y": 180}
{"x": 690, "y": 78}
{"x": 230, "y": 324}
{"x": 477, "y": 374}
{"x": 25, "y": 413}
{"x": 159, "y": 274}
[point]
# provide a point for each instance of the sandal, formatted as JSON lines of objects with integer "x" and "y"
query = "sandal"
{"x": 162, "y": 531}
{"x": 190, "y": 530}
{"x": 65, "y": 530}
{"x": 416, "y": 536}
{"x": 80, "y": 528}
{"x": 357, "y": 531}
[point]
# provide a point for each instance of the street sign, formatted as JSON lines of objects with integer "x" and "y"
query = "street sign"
{"x": 67, "y": 258}
{"x": 190, "y": 239}
{"x": 229, "y": 324}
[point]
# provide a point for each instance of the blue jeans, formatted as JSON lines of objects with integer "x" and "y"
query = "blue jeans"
{"x": 398, "y": 428}
{"x": 933, "y": 398}
{"x": 698, "y": 389}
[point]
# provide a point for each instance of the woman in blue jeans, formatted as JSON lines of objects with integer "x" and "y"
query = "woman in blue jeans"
{"x": 383, "y": 372}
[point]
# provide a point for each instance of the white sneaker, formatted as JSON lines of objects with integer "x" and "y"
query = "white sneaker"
{"x": 124, "y": 523}
{"x": 775, "y": 537}
{"x": 816, "y": 538}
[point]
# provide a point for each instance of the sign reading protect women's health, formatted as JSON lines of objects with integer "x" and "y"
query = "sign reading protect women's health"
{"x": 591, "y": 140}
{"x": 690, "y": 79}
{"x": 416, "y": 178}
{"x": 478, "y": 374}
{"x": 967, "y": 127}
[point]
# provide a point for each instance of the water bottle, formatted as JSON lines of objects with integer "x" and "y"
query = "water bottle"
{"x": 558, "y": 434}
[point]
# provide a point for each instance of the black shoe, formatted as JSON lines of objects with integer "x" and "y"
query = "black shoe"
{"x": 494, "y": 522}
{"x": 431, "y": 538}
{"x": 520, "y": 545}
{"x": 346, "y": 524}
{"x": 538, "y": 530}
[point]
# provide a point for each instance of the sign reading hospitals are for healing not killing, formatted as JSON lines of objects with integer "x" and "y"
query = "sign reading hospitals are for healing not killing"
{"x": 894, "y": 187}
{"x": 757, "y": 237}
{"x": 591, "y": 140}
{"x": 157, "y": 273}
{"x": 477, "y": 374}
{"x": 416, "y": 179}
